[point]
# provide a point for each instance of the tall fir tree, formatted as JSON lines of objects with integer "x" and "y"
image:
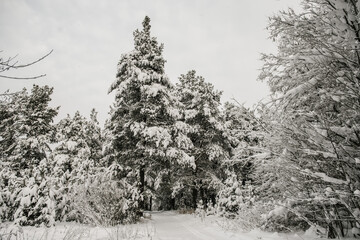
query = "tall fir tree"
{"x": 146, "y": 137}
{"x": 212, "y": 143}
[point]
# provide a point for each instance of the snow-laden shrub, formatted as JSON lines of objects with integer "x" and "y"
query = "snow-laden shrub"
{"x": 230, "y": 196}
{"x": 279, "y": 218}
{"x": 233, "y": 198}
{"x": 105, "y": 202}
{"x": 247, "y": 219}
{"x": 36, "y": 205}
{"x": 27, "y": 200}
{"x": 10, "y": 187}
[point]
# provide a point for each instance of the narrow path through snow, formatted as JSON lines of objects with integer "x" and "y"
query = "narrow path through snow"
{"x": 173, "y": 226}
{"x": 162, "y": 226}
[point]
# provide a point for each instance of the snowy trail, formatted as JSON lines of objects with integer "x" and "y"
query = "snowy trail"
{"x": 161, "y": 226}
{"x": 172, "y": 226}
{"x": 175, "y": 226}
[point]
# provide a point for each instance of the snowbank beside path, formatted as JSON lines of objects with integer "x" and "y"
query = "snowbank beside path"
{"x": 75, "y": 231}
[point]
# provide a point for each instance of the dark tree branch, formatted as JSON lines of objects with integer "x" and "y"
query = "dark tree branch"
{"x": 8, "y": 64}
{"x": 23, "y": 78}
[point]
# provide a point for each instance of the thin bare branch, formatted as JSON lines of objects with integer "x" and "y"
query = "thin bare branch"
{"x": 8, "y": 64}
{"x": 23, "y": 78}
{"x": 25, "y": 65}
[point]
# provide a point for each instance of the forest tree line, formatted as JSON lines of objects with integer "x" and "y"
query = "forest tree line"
{"x": 290, "y": 163}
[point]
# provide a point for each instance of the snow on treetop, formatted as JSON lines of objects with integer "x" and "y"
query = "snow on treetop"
{"x": 173, "y": 112}
{"x": 159, "y": 134}
{"x": 183, "y": 141}
{"x": 301, "y": 88}
{"x": 172, "y": 152}
{"x": 137, "y": 127}
{"x": 71, "y": 145}
{"x": 189, "y": 114}
{"x": 214, "y": 151}
{"x": 153, "y": 89}
{"x": 330, "y": 179}
{"x": 61, "y": 158}
{"x": 183, "y": 127}
{"x": 186, "y": 159}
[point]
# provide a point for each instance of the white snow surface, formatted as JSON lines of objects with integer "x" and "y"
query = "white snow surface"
{"x": 301, "y": 88}
{"x": 158, "y": 226}
{"x": 330, "y": 179}
{"x": 71, "y": 145}
{"x": 154, "y": 89}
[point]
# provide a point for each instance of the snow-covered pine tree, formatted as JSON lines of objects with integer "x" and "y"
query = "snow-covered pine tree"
{"x": 25, "y": 134}
{"x": 79, "y": 142}
{"x": 247, "y": 132}
{"x": 25, "y": 128}
{"x": 95, "y": 138}
{"x": 78, "y": 151}
{"x": 86, "y": 190}
{"x": 212, "y": 144}
{"x": 247, "y": 135}
{"x": 146, "y": 137}
{"x": 314, "y": 79}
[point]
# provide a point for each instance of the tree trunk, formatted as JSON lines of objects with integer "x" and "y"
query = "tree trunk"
{"x": 213, "y": 199}
{"x": 172, "y": 204}
{"x": 203, "y": 196}
{"x": 194, "y": 197}
{"x": 150, "y": 206}
{"x": 142, "y": 188}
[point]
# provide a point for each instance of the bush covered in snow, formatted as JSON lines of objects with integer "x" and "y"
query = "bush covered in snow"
{"x": 105, "y": 202}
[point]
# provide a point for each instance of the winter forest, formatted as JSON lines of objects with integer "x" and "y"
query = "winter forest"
{"x": 289, "y": 164}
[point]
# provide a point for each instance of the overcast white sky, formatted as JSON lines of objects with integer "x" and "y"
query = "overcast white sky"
{"x": 222, "y": 40}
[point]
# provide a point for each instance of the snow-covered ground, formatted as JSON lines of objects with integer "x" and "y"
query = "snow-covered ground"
{"x": 159, "y": 226}
{"x": 173, "y": 226}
